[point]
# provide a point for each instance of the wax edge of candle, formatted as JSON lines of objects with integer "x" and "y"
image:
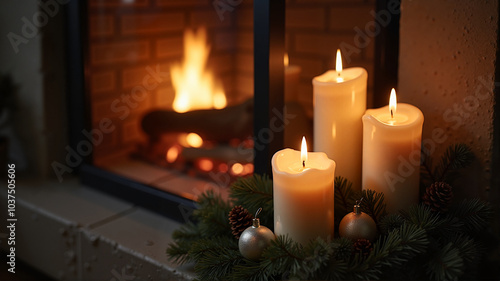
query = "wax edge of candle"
{"x": 419, "y": 120}
{"x": 331, "y": 163}
{"x": 363, "y": 72}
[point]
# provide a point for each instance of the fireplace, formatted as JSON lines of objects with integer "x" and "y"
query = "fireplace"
{"x": 139, "y": 63}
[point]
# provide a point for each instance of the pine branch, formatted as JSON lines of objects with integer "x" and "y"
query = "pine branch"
{"x": 283, "y": 255}
{"x": 212, "y": 215}
{"x": 473, "y": 213}
{"x": 455, "y": 157}
{"x": 398, "y": 247}
{"x": 446, "y": 264}
{"x": 343, "y": 248}
{"x": 344, "y": 196}
{"x": 373, "y": 204}
{"x": 250, "y": 271}
{"x": 317, "y": 256}
{"x": 391, "y": 222}
{"x": 217, "y": 263}
{"x": 253, "y": 193}
{"x": 422, "y": 216}
{"x": 426, "y": 168}
{"x": 203, "y": 246}
{"x": 178, "y": 251}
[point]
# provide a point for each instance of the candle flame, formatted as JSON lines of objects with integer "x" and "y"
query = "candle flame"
{"x": 393, "y": 104}
{"x": 286, "y": 60}
{"x": 338, "y": 66}
{"x": 303, "y": 152}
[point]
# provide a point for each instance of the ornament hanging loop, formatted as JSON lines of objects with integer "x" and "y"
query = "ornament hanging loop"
{"x": 256, "y": 221}
{"x": 357, "y": 207}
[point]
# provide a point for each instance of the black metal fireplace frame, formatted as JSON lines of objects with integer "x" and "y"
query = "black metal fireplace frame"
{"x": 269, "y": 28}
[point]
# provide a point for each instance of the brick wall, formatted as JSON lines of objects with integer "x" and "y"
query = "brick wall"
{"x": 127, "y": 38}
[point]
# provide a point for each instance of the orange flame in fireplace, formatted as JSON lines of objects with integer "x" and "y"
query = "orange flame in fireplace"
{"x": 195, "y": 87}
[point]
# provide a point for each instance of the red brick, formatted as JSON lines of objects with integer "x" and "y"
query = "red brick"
{"x": 169, "y": 47}
{"x": 311, "y": 67}
{"x": 244, "y": 85}
{"x": 102, "y": 81}
{"x": 131, "y": 51}
{"x": 324, "y": 44}
{"x": 346, "y": 18}
{"x": 244, "y": 63}
{"x": 101, "y": 25}
{"x": 182, "y": 3}
{"x": 305, "y": 18}
{"x": 146, "y": 76}
{"x": 244, "y": 17}
{"x": 117, "y": 3}
{"x": 330, "y": 1}
{"x": 102, "y": 109}
{"x": 208, "y": 18}
{"x": 132, "y": 77}
{"x": 164, "y": 98}
{"x": 220, "y": 63}
{"x": 245, "y": 41}
{"x": 131, "y": 131}
{"x": 225, "y": 41}
{"x": 152, "y": 23}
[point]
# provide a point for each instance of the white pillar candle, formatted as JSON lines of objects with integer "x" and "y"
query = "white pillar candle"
{"x": 339, "y": 104}
{"x": 391, "y": 153}
{"x": 303, "y": 194}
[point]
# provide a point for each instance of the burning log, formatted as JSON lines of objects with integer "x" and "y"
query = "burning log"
{"x": 218, "y": 125}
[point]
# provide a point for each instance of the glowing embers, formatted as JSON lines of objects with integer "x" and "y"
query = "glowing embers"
{"x": 188, "y": 153}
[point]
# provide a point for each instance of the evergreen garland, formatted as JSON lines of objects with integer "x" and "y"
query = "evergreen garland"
{"x": 414, "y": 244}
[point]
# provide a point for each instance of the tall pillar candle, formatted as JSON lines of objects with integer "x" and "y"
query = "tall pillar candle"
{"x": 339, "y": 104}
{"x": 303, "y": 194}
{"x": 391, "y": 153}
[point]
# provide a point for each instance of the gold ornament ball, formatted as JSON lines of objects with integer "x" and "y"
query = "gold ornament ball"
{"x": 357, "y": 225}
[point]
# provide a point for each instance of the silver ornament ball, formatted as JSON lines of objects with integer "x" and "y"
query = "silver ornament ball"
{"x": 357, "y": 225}
{"x": 254, "y": 240}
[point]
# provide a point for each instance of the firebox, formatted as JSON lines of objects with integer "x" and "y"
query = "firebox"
{"x": 179, "y": 97}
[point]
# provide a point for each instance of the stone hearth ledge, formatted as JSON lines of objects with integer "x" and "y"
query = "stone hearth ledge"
{"x": 72, "y": 232}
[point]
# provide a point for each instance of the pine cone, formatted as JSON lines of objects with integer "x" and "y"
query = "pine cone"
{"x": 438, "y": 196}
{"x": 240, "y": 219}
{"x": 363, "y": 246}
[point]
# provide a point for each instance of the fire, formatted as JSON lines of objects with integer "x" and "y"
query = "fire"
{"x": 196, "y": 87}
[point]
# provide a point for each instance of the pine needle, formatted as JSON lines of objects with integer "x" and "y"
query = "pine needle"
{"x": 373, "y": 204}
{"x": 446, "y": 264}
{"x": 344, "y": 196}
{"x": 474, "y": 213}
{"x": 455, "y": 157}
{"x": 253, "y": 193}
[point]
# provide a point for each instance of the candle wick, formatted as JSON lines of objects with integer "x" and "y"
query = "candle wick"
{"x": 392, "y": 114}
{"x": 303, "y": 163}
